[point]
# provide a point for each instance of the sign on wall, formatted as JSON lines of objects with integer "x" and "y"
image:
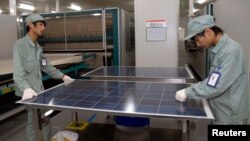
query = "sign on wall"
{"x": 156, "y": 30}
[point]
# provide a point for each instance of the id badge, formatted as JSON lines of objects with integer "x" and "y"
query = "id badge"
{"x": 44, "y": 61}
{"x": 213, "y": 79}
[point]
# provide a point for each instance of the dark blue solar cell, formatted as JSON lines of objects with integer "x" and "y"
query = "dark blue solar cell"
{"x": 147, "y": 109}
{"x": 119, "y": 107}
{"x": 152, "y": 96}
{"x": 85, "y": 104}
{"x": 107, "y": 103}
{"x": 66, "y": 102}
{"x": 117, "y": 94}
{"x": 93, "y": 97}
{"x": 75, "y": 97}
{"x": 169, "y": 110}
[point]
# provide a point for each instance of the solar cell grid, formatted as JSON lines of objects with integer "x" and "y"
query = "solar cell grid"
{"x": 121, "y": 97}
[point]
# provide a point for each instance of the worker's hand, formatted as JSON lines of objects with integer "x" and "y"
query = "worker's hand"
{"x": 28, "y": 94}
{"x": 181, "y": 95}
{"x": 67, "y": 79}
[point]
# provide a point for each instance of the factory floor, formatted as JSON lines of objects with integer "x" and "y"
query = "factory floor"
{"x": 13, "y": 129}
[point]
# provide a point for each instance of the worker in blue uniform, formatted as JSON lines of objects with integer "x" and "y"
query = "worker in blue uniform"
{"x": 28, "y": 61}
{"x": 226, "y": 87}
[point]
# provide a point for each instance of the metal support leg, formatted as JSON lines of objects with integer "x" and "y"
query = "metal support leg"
{"x": 185, "y": 130}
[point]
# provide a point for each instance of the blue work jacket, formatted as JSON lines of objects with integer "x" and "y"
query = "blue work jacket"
{"x": 229, "y": 98}
{"x": 27, "y": 66}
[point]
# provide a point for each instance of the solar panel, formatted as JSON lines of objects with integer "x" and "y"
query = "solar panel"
{"x": 147, "y": 72}
{"x": 131, "y": 73}
{"x": 131, "y": 98}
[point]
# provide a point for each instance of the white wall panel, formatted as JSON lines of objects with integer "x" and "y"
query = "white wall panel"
{"x": 8, "y": 35}
{"x": 160, "y": 53}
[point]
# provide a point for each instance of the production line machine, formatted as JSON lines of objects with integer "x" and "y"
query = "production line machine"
{"x": 108, "y": 32}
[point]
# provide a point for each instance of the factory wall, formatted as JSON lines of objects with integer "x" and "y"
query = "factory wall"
{"x": 156, "y": 53}
{"x": 8, "y": 35}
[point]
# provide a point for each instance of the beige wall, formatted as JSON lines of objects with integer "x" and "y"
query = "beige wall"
{"x": 162, "y": 53}
{"x": 8, "y": 35}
